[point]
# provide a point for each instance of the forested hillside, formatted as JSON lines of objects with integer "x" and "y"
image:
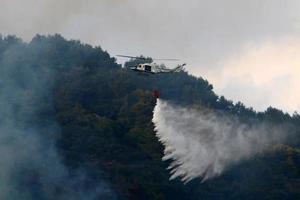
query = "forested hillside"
{"x": 103, "y": 117}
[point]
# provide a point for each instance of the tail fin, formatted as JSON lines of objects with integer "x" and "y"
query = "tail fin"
{"x": 179, "y": 68}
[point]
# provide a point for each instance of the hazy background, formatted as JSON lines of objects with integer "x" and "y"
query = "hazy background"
{"x": 247, "y": 49}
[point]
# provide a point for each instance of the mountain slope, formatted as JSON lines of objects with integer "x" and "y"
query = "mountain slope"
{"x": 104, "y": 114}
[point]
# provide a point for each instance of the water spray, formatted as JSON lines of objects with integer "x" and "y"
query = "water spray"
{"x": 203, "y": 143}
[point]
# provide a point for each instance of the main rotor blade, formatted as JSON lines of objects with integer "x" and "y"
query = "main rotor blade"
{"x": 124, "y": 56}
{"x": 143, "y": 58}
{"x": 170, "y": 59}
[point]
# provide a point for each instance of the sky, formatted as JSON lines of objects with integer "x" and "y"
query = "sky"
{"x": 248, "y": 49}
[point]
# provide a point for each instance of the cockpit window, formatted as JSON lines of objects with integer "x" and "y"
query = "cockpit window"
{"x": 148, "y": 68}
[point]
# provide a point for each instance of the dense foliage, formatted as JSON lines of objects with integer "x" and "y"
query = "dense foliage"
{"x": 104, "y": 113}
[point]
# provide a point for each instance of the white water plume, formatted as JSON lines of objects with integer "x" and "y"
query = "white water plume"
{"x": 203, "y": 143}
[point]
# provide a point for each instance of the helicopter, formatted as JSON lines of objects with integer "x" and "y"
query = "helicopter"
{"x": 153, "y": 68}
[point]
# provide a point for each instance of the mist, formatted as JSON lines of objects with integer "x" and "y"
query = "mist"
{"x": 207, "y": 35}
{"x": 30, "y": 165}
{"x": 203, "y": 143}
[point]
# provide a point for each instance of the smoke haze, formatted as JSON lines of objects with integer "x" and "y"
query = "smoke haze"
{"x": 208, "y": 35}
{"x": 202, "y": 143}
{"x": 30, "y": 166}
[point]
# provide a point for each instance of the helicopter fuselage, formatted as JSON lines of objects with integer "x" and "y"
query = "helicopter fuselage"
{"x": 147, "y": 68}
{"x": 153, "y": 68}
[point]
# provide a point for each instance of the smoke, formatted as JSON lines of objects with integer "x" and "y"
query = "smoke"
{"x": 30, "y": 166}
{"x": 203, "y": 143}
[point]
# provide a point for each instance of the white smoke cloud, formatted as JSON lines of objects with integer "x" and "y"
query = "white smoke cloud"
{"x": 202, "y": 143}
{"x": 30, "y": 166}
{"x": 262, "y": 75}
